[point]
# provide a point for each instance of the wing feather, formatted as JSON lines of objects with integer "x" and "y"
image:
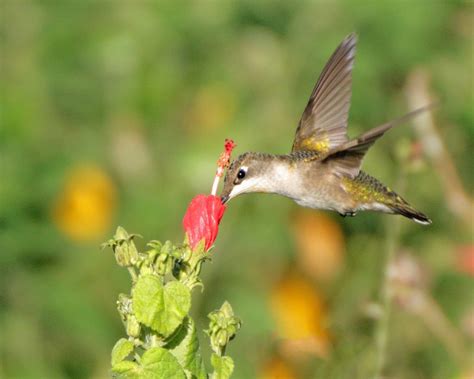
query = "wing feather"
{"x": 323, "y": 124}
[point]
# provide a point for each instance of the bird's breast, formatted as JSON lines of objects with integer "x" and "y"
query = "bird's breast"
{"x": 301, "y": 182}
{"x": 320, "y": 190}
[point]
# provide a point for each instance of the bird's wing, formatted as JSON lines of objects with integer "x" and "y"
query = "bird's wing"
{"x": 346, "y": 158}
{"x": 323, "y": 124}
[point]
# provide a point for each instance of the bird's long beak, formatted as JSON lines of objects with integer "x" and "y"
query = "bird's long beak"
{"x": 224, "y": 199}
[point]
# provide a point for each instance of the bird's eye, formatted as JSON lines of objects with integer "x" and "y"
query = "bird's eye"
{"x": 241, "y": 174}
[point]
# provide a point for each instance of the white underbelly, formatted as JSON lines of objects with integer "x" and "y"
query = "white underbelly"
{"x": 318, "y": 202}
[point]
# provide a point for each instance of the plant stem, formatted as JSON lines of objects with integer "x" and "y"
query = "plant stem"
{"x": 133, "y": 274}
{"x": 436, "y": 320}
{"x": 382, "y": 330}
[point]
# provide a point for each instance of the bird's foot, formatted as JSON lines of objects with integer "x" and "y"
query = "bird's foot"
{"x": 351, "y": 214}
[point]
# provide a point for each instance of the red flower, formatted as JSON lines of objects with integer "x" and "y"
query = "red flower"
{"x": 201, "y": 220}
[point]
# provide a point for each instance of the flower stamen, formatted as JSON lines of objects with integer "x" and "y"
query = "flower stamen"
{"x": 222, "y": 163}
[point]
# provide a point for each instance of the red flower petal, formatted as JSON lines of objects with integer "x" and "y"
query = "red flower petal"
{"x": 202, "y": 218}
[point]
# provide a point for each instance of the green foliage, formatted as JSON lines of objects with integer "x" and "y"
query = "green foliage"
{"x": 122, "y": 349}
{"x": 162, "y": 308}
{"x": 155, "y": 363}
{"x": 162, "y": 338}
{"x": 184, "y": 345}
{"x": 223, "y": 367}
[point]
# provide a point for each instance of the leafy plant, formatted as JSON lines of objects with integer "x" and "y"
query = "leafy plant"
{"x": 162, "y": 340}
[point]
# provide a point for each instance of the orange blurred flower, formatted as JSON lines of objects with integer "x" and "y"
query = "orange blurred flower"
{"x": 467, "y": 375}
{"x": 83, "y": 210}
{"x": 276, "y": 368}
{"x": 465, "y": 259}
{"x": 320, "y": 244}
{"x": 300, "y": 316}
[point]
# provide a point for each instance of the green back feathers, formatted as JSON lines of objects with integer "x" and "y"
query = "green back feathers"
{"x": 366, "y": 189}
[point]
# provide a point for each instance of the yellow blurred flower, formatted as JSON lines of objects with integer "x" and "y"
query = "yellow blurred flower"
{"x": 320, "y": 244}
{"x": 83, "y": 210}
{"x": 276, "y": 368}
{"x": 300, "y": 316}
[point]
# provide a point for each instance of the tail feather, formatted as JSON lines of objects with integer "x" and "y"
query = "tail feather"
{"x": 374, "y": 195}
{"x": 407, "y": 211}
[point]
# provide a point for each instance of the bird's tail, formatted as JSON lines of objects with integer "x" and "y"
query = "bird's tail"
{"x": 401, "y": 207}
{"x": 376, "y": 196}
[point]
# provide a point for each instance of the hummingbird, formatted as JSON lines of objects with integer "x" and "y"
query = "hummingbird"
{"x": 323, "y": 169}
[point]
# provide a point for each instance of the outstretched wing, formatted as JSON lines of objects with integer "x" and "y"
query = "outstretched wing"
{"x": 323, "y": 124}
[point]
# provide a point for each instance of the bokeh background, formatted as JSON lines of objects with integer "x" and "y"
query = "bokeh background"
{"x": 114, "y": 113}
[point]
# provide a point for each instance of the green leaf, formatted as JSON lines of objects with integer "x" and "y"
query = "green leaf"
{"x": 147, "y": 299}
{"x": 185, "y": 347}
{"x": 161, "y": 308}
{"x": 121, "y": 350}
{"x": 177, "y": 305}
{"x": 223, "y": 367}
{"x": 126, "y": 370}
{"x": 156, "y": 363}
{"x": 159, "y": 363}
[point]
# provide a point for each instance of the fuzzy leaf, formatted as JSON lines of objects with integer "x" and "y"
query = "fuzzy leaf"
{"x": 185, "y": 347}
{"x": 177, "y": 304}
{"x": 156, "y": 363}
{"x": 161, "y": 308}
{"x": 147, "y": 299}
{"x": 223, "y": 367}
{"x": 159, "y": 363}
{"x": 126, "y": 370}
{"x": 121, "y": 350}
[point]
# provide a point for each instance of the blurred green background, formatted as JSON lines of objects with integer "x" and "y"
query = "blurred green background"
{"x": 115, "y": 112}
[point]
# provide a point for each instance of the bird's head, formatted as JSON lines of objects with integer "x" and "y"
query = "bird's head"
{"x": 246, "y": 174}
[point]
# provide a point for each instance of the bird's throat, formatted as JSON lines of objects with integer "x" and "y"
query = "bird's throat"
{"x": 280, "y": 176}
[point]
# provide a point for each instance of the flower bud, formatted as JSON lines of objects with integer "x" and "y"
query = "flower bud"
{"x": 223, "y": 326}
{"x": 124, "y": 305}
{"x": 125, "y": 250}
{"x": 160, "y": 258}
{"x": 133, "y": 326}
{"x": 221, "y": 338}
{"x": 201, "y": 220}
{"x": 164, "y": 263}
